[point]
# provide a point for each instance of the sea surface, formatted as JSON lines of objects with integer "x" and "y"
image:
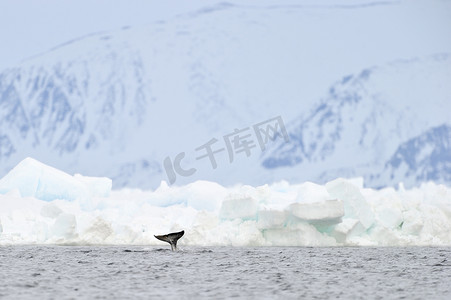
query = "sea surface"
{"x": 142, "y": 272}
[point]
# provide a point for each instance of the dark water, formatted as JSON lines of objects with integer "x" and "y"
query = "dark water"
{"x": 56, "y": 272}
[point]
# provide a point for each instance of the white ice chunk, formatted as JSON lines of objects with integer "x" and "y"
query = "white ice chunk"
{"x": 413, "y": 222}
{"x": 204, "y": 195}
{"x": 271, "y": 218}
{"x": 329, "y": 210}
{"x": 15, "y": 193}
{"x": 302, "y": 234}
{"x": 347, "y": 229}
{"x": 242, "y": 208}
{"x": 97, "y": 186}
{"x": 65, "y": 226}
{"x": 357, "y": 181}
{"x": 436, "y": 223}
{"x": 311, "y": 192}
{"x": 35, "y": 179}
{"x": 389, "y": 217}
{"x": 50, "y": 210}
{"x": 98, "y": 232}
{"x": 355, "y": 205}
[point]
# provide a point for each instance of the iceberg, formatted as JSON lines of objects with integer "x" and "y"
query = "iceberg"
{"x": 40, "y": 204}
{"x": 35, "y": 179}
{"x": 355, "y": 204}
{"x": 329, "y": 210}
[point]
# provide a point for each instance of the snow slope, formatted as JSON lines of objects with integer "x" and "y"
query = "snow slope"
{"x": 426, "y": 157}
{"x": 374, "y": 120}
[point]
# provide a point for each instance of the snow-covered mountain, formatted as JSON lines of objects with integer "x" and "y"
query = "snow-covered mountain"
{"x": 422, "y": 158}
{"x": 372, "y": 122}
{"x": 116, "y": 104}
{"x": 72, "y": 106}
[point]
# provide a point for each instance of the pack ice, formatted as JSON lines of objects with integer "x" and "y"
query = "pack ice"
{"x": 40, "y": 204}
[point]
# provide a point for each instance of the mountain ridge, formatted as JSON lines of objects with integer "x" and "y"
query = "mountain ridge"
{"x": 117, "y": 103}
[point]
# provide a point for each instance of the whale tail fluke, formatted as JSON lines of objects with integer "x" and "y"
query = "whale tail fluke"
{"x": 171, "y": 238}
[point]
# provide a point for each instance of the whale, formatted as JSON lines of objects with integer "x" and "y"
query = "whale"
{"x": 171, "y": 238}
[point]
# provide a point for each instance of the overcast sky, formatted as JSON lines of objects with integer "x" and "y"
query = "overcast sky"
{"x": 31, "y": 27}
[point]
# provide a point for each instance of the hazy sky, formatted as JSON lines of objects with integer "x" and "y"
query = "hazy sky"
{"x": 31, "y": 27}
